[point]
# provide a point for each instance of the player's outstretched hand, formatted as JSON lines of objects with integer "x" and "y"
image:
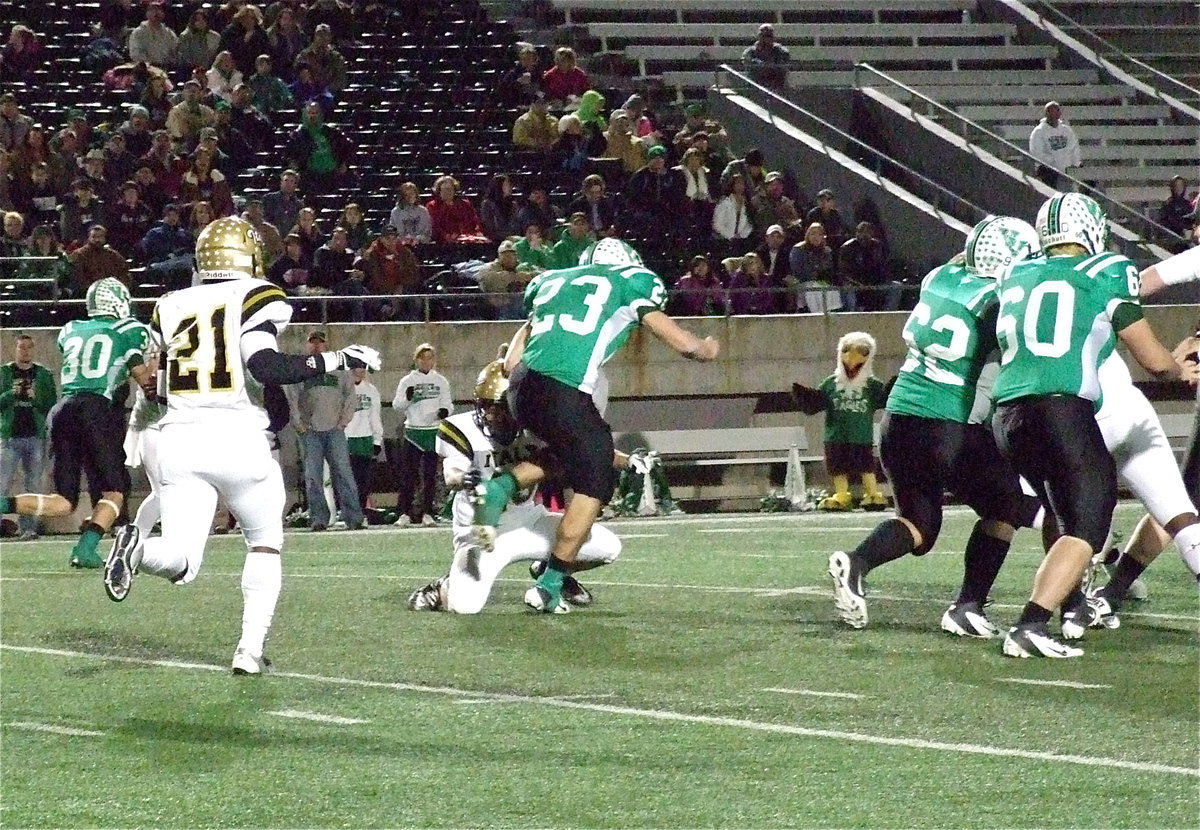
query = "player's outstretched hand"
{"x": 358, "y": 357}
{"x": 708, "y": 350}
{"x": 471, "y": 478}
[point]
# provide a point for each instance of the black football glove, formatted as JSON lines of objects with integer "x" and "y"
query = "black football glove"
{"x": 409, "y": 392}
{"x": 471, "y": 478}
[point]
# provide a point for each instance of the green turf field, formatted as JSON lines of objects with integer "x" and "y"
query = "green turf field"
{"x": 709, "y": 686}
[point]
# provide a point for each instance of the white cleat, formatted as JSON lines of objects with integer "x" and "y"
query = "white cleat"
{"x": 968, "y": 620}
{"x": 245, "y": 663}
{"x": 538, "y": 599}
{"x": 848, "y": 595}
{"x": 122, "y": 562}
{"x": 1035, "y": 641}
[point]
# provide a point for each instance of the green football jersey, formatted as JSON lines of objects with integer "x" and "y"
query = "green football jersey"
{"x": 580, "y": 316}
{"x": 98, "y": 353}
{"x": 950, "y": 334}
{"x": 1057, "y": 321}
{"x": 850, "y": 413}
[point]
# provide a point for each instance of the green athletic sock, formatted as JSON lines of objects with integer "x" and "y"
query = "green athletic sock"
{"x": 552, "y": 578}
{"x": 8, "y": 504}
{"x": 499, "y": 492}
{"x": 89, "y": 542}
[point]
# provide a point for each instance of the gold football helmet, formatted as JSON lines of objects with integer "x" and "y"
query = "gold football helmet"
{"x": 491, "y": 409}
{"x": 229, "y": 249}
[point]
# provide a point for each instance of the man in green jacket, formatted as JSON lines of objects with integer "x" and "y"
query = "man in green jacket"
{"x": 27, "y": 394}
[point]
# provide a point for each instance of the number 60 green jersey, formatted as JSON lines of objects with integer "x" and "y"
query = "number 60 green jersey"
{"x": 1057, "y": 321}
{"x": 580, "y": 316}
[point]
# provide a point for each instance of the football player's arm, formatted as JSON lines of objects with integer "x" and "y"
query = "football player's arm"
{"x": 679, "y": 338}
{"x": 1181, "y": 268}
{"x": 270, "y": 367}
{"x": 516, "y": 348}
{"x": 1146, "y": 349}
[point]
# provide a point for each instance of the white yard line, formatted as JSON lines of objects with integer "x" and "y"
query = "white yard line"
{"x": 814, "y": 693}
{"x": 1066, "y": 684}
{"x": 296, "y": 714}
{"x": 56, "y": 730}
{"x": 663, "y": 715}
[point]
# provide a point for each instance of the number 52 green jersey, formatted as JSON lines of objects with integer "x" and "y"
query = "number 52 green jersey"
{"x": 1057, "y": 321}
{"x": 579, "y": 317}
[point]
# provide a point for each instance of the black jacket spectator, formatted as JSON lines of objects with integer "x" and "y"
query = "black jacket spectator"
{"x": 166, "y": 240}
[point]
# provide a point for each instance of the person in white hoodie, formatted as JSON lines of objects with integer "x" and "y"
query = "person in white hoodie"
{"x": 364, "y": 433}
{"x": 1054, "y": 145}
{"x": 423, "y": 398}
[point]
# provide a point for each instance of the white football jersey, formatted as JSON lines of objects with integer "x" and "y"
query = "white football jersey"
{"x": 199, "y": 331}
{"x": 462, "y": 445}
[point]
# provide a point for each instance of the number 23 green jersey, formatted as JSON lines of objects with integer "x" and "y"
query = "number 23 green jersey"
{"x": 1057, "y": 321}
{"x": 950, "y": 334}
{"x": 579, "y": 317}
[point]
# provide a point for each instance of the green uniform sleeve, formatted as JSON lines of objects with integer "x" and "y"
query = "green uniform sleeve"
{"x": 531, "y": 290}
{"x": 645, "y": 292}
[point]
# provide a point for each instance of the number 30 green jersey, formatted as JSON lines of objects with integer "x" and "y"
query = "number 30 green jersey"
{"x": 98, "y": 353}
{"x": 1057, "y": 321}
{"x": 950, "y": 334}
{"x": 580, "y": 316}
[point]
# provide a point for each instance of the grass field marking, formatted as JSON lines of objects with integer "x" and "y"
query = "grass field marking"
{"x": 1068, "y": 684}
{"x": 660, "y": 715}
{"x": 296, "y": 714}
{"x": 644, "y": 535}
{"x": 814, "y": 693}
{"x": 56, "y": 730}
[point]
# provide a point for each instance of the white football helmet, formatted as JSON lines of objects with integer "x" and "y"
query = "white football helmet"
{"x": 1072, "y": 217}
{"x": 109, "y": 298}
{"x": 610, "y": 251}
{"x": 997, "y": 243}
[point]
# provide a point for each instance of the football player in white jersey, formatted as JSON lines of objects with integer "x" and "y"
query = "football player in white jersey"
{"x": 474, "y": 446}
{"x": 219, "y": 348}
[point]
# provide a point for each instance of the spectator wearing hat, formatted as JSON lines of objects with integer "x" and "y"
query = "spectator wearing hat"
{"x": 255, "y": 214}
{"x": 410, "y": 217}
{"x": 572, "y": 244}
{"x": 95, "y": 260}
{"x": 268, "y": 91}
{"x": 14, "y": 125}
{"x": 423, "y": 399}
{"x": 774, "y": 254}
{"x": 94, "y": 172}
{"x": 231, "y": 150}
{"x": 771, "y": 207}
{"x": 322, "y": 408}
{"x": 327, "y": 64}
{"x": 565, "y": 80}
{"x": 80, "y": 211}
{"x": 245, "y": 38}
{"x": 321, "y": 152}
{"x": 197, "y": 44}
{"x": 750, "y": 168}
{"x": 520, "y": 82}
{"x": 223, "y": 76}
{"x": 640, "y": 120}
{"x": 655, "y": 193}
{"x": 503, "y": 281}
{"x": 187, "y": 118}
{"x": 391, "y": 269}
{"x": 621, "y": 143}
{"x": 696, "y": 120}
{"x": 536, "y": 129}
{"x": 129, "y": 219}
{"x": 136, "y": 131}
{"x": 153, "y": 41}
{"x": 831, "y": 220}
{"x": 600, "y": 209}
{"x": 168, "y": 248}
{"x": 766, "y": 61}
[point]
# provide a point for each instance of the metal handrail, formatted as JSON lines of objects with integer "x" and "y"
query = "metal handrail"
{"x": 1080, "y": 185}
{"x": 974, "y": 213}
{"x": 1113, "y": 51}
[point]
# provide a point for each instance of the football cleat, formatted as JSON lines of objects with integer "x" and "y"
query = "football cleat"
{"x": 848, "y": 595}
{"x": 966, "y": 619}
{"x": 245, "y": 663}
{"x": 122, "y": 562}
{"x": 539, "y": 599}
{"x": 1033, "y": 640}
{"x": 1101, "y": 613}
{"x": 431, "y": 597}
{"x": 1075, "y": 617}
{"x": 572, "y": 591}
{"x": 84, "y": 560}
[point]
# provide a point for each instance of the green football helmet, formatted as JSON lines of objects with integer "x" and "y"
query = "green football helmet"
{"x": 997, "y": 243}
{"x": 610, "y": 251}
{"x": 1072, "y": 217}
{"x": 109, "y": 298}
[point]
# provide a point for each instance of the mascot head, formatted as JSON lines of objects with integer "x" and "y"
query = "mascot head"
{"x": 855, "y": 360}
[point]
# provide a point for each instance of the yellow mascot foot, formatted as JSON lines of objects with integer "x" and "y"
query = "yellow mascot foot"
{"x": 874, "y": 501}
{"x": 838, "y": 501}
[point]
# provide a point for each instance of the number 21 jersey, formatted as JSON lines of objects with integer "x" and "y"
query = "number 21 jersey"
{"x": 1057, "y": 321}
{"x": 580, "y": 316}
{"x": 200, "y": 331}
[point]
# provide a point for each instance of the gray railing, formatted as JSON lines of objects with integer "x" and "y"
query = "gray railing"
{"x": 1145, "y": 229}
{"x": 939, "y": 197}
